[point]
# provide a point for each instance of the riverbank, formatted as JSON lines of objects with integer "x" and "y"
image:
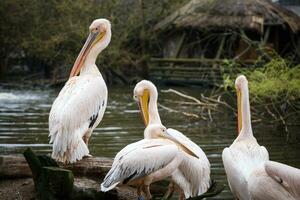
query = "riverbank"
{"x": 17, "y": 182}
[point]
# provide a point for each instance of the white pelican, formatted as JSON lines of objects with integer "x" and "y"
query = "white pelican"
{"x": 193, "y": 174}
{"x": 144, "y": 162}
{"x": 81, "y": 103}
{"x": 244, "y": 155}
{"x": 275, "y": 181}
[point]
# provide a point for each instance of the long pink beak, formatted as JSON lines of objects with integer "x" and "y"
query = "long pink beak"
{"x": 83, "y": 53}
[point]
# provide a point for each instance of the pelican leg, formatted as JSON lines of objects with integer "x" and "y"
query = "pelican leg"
{"x": 139, "y": 193}
{"x": 86, "y": 140}
{"x": 146, "y": 190}
{"x": 86, "y": 137}
{"x": 170, "y": 191}
{"x": 181, "y": 195}
{"x": 180, "y": 192}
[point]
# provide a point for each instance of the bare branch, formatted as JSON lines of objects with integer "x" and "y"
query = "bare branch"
{"x": 186, "y": 96}
{"x": 176, "y": 111}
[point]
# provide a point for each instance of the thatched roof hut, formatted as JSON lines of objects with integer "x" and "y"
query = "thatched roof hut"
{"x": 201, "y": 34}
{"x": 245, "y": 14}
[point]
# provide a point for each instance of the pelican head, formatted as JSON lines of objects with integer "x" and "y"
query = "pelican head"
{"x": 141, "y": 94}
{"x": 98, "y": 39}
{"x": 240, "y": 82}
{"x": 155, "y": 131}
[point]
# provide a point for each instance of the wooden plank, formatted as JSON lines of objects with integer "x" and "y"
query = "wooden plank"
{"x": 185, "y": 81}
{"x": 207, "y": 78}
{"x": 197, "y": 75}
{"x": 196, "y": 60}
{"x": 180, "y": 44}
{"x": 190, "y": 69}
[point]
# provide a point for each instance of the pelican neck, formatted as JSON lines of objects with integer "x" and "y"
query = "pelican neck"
{"x": 154, "y": 117}
{"x": 89, "y": 65}
{"x": 246, "y": 113}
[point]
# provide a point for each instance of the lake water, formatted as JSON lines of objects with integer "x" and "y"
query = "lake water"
{"x": 24, "y": 123}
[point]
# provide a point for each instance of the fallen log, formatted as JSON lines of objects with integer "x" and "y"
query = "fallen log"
{"x": 15, "y": 166}
{"x": 53, "y": 181}
{"x": 90, "y": 167}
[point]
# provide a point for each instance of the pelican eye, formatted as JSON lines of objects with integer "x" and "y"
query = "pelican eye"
{"x": 95, "y": 30}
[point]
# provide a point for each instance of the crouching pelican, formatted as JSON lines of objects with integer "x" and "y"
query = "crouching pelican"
{"x": 274, "y": 181}
{"x": 144, "y": 162}
{"x": 244, "y": 155}
{"x": 81, "y": 103}
{"x": 193, "y": 174}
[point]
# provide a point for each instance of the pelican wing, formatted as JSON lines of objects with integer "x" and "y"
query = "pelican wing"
{"x": 237, "y": 182}
{"x": 193, "y": 176}
{"x": 195, "y": 168}
{"x": 240, "y": 160}
{"x": 190, "y": 147}
{"x": 138, "y": 160}
{"x": 78, "y": 108}
{"x": 285, "y": 175}
{"x": 274, "y": 181}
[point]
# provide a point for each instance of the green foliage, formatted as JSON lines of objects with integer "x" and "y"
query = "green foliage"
{"x": 275, "y": 79}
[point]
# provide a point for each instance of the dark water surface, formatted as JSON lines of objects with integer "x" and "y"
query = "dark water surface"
{"x": 24, "y": 123}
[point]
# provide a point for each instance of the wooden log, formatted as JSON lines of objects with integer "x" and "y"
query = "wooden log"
{"x": 15, "y": 166}
{"x": 90, "y": 166}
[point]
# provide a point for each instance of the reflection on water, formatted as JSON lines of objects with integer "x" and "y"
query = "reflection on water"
{"x": 24, "y": 123}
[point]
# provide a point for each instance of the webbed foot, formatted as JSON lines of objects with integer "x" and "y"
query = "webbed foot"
{"x": 141, "y": 198}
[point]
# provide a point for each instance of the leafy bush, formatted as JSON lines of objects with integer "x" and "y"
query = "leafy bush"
{"x": 276, "y": 79}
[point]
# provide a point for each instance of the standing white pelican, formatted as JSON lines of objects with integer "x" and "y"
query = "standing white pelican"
{"x": 81, "y": 103}
{"x": 144, "y": 162}
{"x": 275, "y": 181}
{"x": 244, "y": 155}
{"x": 193, "y": 174}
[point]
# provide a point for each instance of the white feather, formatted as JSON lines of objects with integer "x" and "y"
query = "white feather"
{"x": 194, "y": 175}
{"x": 141, "y": 159}
{"x": 239, "y": 160}
{"x": 274, "y": 181}
{"x": 80, "y": 99}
